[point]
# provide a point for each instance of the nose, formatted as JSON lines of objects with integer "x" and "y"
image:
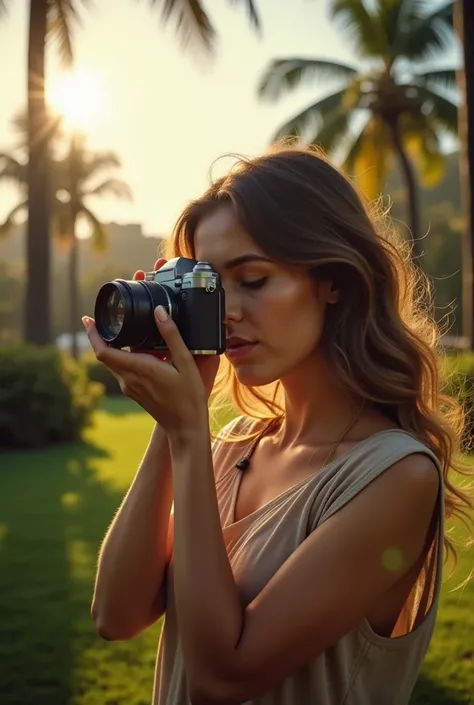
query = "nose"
{"x": 233, "y": 307}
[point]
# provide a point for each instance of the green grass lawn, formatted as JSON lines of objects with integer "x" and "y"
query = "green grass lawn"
{"x": 54, "y": 509}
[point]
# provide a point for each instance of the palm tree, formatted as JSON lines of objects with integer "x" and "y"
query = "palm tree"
{"x": 52, "y": 20}
{"x": 77, "y": 177}
{"x": 403, "y": 109}
{"x": 465, "y": 27}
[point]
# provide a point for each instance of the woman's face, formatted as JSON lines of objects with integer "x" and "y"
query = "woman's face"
{"x": 280, "y": 309}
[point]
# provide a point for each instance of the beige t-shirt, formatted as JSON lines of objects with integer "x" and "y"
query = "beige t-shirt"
{"x": 362, "y": 668}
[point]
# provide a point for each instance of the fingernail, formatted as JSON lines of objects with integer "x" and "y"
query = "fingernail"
{"x": 161, "y": 314}
{"x": 86, "y": 321}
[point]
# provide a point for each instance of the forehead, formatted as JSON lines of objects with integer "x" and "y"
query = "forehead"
{"x": 220, "y": 237}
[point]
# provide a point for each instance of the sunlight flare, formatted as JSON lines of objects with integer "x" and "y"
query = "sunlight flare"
{"x": 78, "y": 97}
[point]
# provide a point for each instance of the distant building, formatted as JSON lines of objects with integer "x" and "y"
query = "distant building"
{"x": 64, "y": 342}
{"x": 127, "y": 246}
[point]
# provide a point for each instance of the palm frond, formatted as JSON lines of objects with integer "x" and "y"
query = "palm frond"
{"x": 310, "y": 121}
{"x": 53, "y": 130}
{"x": 93, "y": 164}
{"x": 392, "y": 17}
{"x": 190, "y": 19}
{"x": 397, "y": 18}
{"x": 422, "y": 142}
{"x": 362, "y": 26}
{"x": 284, "y": 75}
{"x": 20, "y": 125}
{"x": 12, "y": 170}
{"x": 442, "y": 78}
{"x": 442, "y": 110}
{"x": 9, "y": 221}
{"x": 333, "y": 131}
{"x": 62, "y": 16}
{"x": 354, "y": 150}
{"x": 252, "y": 12}
{"x": 113, "y": 187}
{"x": 99, "y": 234}
{"x": 370, "y": 158}
{"x": 335, "y": 126}
{"x": 62, "y": 224}
{"x": 429, "y": 35}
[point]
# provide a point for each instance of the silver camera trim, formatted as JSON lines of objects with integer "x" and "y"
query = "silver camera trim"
{"x": 201, "y": 277}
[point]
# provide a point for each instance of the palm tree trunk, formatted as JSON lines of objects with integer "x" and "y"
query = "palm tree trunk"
{"x": 411, "y": 189}
{"x": 465, "y": 26}
{"x": 73, "y": 295}
{"x": 73, "y": 255}
{"x": 37, "y": 324}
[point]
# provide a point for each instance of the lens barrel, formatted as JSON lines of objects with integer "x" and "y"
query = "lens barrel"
{"x": 124, "y": 312}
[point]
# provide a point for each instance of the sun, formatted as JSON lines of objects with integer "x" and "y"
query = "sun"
{"x": 78, "y": 97}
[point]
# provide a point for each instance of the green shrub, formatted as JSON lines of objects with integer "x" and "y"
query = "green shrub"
{"x": 45, "y": 397}
{"x": 97, "y": 372}
{"x": 460, "y": 369}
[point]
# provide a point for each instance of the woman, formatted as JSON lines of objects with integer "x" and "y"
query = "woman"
{"x": 302, "y": 559}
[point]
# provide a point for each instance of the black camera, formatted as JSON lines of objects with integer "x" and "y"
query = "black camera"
{"x": 191, "y": 293}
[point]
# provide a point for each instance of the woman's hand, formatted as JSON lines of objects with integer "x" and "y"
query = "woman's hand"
{"x": 174, "y": 392}
{"x": 207, "y": 365}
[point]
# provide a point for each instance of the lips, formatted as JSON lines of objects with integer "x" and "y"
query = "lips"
{"x": 235, "y": 342}
{"x": 237, "y": 348}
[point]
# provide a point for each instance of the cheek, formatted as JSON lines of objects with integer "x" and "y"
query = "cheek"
{"x": 306, "y": 328}
{"x": 294, "y": 309}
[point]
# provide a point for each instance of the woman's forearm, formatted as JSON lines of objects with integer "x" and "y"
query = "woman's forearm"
{"x": 208, "y": 605}
{"x": 129, "y": 587}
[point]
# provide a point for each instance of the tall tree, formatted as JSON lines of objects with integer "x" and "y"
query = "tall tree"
{"x": 75, "y": 179}
{"x": 465, "y": 27}
{"x": 403, "y": 108}
{"x": 53, "y": 20}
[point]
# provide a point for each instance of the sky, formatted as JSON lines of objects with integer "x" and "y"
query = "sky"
{"x": 168, "y": 113}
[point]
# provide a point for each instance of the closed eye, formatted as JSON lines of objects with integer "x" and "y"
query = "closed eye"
{"x": 255, "y": 284}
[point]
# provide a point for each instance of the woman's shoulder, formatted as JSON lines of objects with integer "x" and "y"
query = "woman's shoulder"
{"x": 235, "y": 437}
{"x": 240, "y": 429}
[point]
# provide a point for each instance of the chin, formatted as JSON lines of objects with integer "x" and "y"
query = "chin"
{"x": 255, "y": 376}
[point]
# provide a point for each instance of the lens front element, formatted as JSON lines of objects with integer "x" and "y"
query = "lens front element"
{"x": 114, "y": 312}
{"x": 124, "y": 312}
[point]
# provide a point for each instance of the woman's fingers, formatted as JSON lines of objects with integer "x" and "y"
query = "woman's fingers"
{"x": 99, "y": 346}
{"x": 116, "y": 360}
{"x": 178, "y": 352}
{"x": 140, "y": 274}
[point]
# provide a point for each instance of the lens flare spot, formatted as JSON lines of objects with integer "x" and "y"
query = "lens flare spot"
{"x": 392, "y": 559}
{"x": 3, "y": 531}
{"x": 73, "y": 467}
{"x": 70, "y": 500}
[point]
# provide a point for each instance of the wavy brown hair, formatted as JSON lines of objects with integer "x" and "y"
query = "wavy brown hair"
{"x": 381, "y": 336}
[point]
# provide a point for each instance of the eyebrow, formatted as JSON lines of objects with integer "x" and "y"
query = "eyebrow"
{"x": 243, "y": 259}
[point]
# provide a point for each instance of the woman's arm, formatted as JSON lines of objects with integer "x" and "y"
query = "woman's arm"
{"x": 322, "y": 591}
{"x": 129, "y": 591}
{"x": 209, "y": 610}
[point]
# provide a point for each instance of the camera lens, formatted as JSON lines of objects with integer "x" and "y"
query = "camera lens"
{"x": 124, "y": 312}
{"x": 115, "y": 312}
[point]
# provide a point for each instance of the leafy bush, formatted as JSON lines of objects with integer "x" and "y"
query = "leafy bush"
{"x": 460, "y": 369}
{"x": 45, "y": 397}
{"x": 97, "y": 372}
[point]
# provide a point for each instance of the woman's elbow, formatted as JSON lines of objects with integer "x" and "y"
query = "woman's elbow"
{"x": 111, "y": 629}
{"x": 119, "y": 627}
{"x": 213, "y": 694}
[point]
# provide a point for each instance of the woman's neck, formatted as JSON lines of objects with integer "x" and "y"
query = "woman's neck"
{"x": 317, "y": 406}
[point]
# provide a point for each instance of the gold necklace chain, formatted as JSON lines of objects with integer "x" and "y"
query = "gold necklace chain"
{"x": 245, "y": 461}
{"x": 339, "y": 441}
